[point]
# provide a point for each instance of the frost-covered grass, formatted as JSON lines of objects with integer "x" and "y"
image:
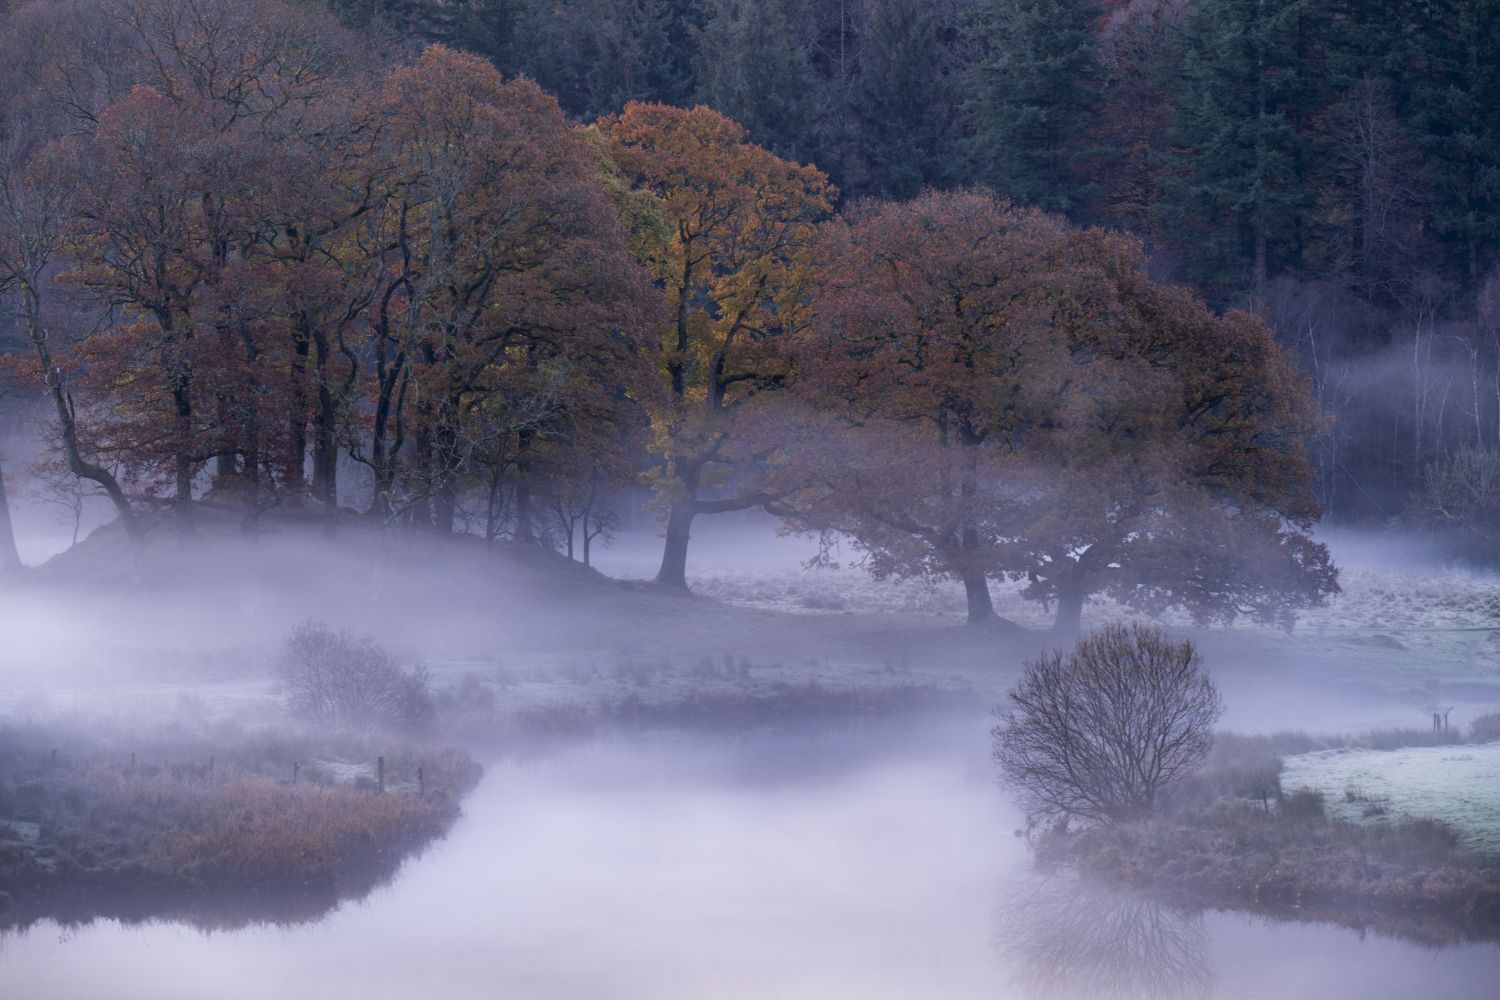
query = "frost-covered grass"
{"x": 1459, "y": 785}
{"x": 853, "y": 591}
{"x": 1387, "y": 609}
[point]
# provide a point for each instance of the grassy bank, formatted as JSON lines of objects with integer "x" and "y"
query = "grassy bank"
{"x": 734, "y": 700}
{"x": 267, "y": 824}
{"x": 1235, "y": 838}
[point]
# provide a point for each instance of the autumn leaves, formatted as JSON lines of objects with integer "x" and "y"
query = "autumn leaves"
{"x": 275, "y": 253}
{"x": 1004, "y": 395}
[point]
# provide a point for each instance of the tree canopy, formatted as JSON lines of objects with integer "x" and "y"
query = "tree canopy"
{"x": 732, "y": 256}
{"x": 293, "y": 273}
{"x": 1060, "y": 418}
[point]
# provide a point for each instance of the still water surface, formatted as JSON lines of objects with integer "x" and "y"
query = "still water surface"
{"x": 676, "y": 869}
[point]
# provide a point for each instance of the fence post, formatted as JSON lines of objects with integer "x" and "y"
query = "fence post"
{"x": 380, "y": 775}
{"x": 421, "y": 784}
{"x": 296, "y": 766}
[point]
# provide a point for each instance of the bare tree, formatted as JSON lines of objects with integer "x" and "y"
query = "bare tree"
{"x": 1460, "y": 497}
{"x": 1068, "y": 938}
{"x": 1103, "y": 732}
{"x": 341, "y": 679}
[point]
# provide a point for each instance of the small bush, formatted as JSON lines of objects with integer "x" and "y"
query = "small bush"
{"x": 1485, "y": 727}
{"x": 1105, "y": 731}
{"x": 337, "y": 678}
{"x": 1401, "y": 739}
{"x": 1303, "y": 806}
{"x": 1417, "y": 840}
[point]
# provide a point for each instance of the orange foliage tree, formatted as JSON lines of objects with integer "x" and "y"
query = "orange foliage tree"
{"x": 1007, "y": 396}
{"x": 734, "y": 227}
{"x": 176, "y": 196}
{"x": 508, "y": 277}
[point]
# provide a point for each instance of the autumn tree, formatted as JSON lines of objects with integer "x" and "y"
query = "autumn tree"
{"x": 37, "y": 187}
{"x": 932, "y": 327}
{"x": 1059, "y": 418}
{"x": 152, "y": 238}
{"x": 190, "y": 362}
{"x": 731, "y": 255}
{"x": 1137, "y": 58}
{"x": 319, "y": 250}
{"x": 507, "y": 266}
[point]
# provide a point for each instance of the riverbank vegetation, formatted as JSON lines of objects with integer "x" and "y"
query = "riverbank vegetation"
{"x": 1116, "y": 735}
{"x": 222, "y": 823}
{"x": 1234, "y": 837}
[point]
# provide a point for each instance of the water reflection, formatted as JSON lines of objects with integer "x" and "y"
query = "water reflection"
{"x": 134, "y": 899}
{"x": 1068, "y": 939}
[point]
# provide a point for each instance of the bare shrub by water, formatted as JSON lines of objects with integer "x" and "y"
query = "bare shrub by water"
{"x": 1104, "y": 731}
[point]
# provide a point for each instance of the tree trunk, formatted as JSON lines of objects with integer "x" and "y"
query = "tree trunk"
{"x": 444, "y": 508}
{"x": 673, "y": 572}
{"x": 525, "y": 532}
{"x": 1069, "y": 622}
{"x": 10, "y": 558}
{"x": 67, "y": 424}
{"x": 977, "y": 590}
{"x": 325, "y": 484}
{"x": 296, "y": 430}
{"x": 182, "y": 462}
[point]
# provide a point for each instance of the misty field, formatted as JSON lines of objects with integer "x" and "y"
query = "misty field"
{"x": 1459, "y": 785}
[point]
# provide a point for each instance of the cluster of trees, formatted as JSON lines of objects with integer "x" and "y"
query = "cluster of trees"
{"x": 1332, "y": 165}
{"x": 253, "y": 261}
{"x": 236, "y": 242}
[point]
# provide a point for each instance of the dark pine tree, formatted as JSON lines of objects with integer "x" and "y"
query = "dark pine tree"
{"x": 1453, "y": 107}
{"x": 1033, "y": 100}
{"x": 905, "y": 101}
{"x": 1237, "y": 194}
{"x": 754, "y": 64}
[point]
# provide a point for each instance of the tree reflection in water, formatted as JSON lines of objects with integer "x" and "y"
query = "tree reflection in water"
{"x": 1068, "y": 939}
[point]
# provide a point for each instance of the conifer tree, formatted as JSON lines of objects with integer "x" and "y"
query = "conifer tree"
{"x": 905, "y": 99}
{"x": 1453, "y": 107}
{"x": 1237, "y": 192}
{"x": 755, "y": 67}
{"x": 1034, "y": 100}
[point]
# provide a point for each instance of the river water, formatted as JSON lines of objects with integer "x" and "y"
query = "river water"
{"x": 837, "y": 867}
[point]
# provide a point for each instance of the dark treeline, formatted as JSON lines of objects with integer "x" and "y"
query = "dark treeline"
{"x": 1333, "y": 165}
{"x": 257, "y": 258}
